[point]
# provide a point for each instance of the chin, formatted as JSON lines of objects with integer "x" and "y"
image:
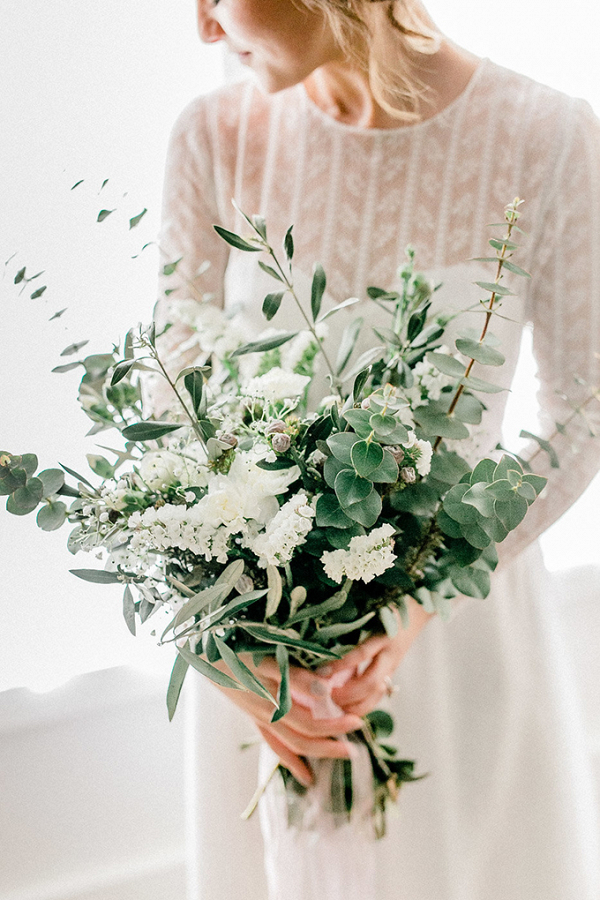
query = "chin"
{"x": 273, "y": 82}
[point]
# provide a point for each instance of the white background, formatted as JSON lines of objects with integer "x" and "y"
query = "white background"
{"x": 89, "y": 92}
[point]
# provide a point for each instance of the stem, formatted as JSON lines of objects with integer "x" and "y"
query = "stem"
{"x": 511, "y": 216}
{"x": 290, "y": 286}
{"x": 193, "y": 421}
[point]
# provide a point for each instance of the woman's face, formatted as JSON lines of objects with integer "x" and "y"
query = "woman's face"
{"x": 280, "y": 40}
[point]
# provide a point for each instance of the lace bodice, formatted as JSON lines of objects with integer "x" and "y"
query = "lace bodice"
{"x": 357, "y": 197}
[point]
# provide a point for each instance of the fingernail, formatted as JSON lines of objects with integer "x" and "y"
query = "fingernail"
{"x": 325, "y": 671}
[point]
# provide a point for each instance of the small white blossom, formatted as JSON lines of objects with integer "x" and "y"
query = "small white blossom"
{"x": 286, "y": 531}
{"x": 276, "y": 384}
{"x": 367, "y": 556}
{"x": 423, "y": 455}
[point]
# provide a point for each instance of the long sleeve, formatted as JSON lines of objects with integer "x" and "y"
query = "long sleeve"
{"x": 564, "y": 308}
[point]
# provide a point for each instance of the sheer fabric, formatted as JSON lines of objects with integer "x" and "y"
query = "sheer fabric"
{"x": 485, "y": 701}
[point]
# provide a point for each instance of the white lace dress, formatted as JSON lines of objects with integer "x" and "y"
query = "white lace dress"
{"x": 485, "y": 702}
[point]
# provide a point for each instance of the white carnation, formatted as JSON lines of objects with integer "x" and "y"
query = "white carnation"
{"x": 367, "y": 556}
{"x": 162, "y": 468}
{"x": 423, "y": 455}
{"x": 276, "y": 384}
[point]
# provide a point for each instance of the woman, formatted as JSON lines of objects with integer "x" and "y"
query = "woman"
{"x": 367, "y": 129}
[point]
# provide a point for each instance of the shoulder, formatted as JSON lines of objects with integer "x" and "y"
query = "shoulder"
{"x": 218, "y": 116}
{"x": 549, "y": 124}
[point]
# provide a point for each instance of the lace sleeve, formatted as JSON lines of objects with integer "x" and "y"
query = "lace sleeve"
{"x": 564, "y": 307}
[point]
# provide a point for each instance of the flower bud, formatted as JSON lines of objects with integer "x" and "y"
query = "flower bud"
{"x": 227, "y": 438}
{"x": 408, "y": 475}
{"x": 277, "y": 427}
{"x": 281, "y": 442}
{"x": 397, "y": 453}
{"x": 244, "y": 584}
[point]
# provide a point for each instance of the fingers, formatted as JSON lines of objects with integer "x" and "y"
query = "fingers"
{"x": 294, "y": 763}
{"x": 305, "y": 745}
{"x": 370, "y": 684}
{"x": 358, "y": 657}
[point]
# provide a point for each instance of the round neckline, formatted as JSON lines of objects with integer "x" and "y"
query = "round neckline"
{"x": 409, "y": 128}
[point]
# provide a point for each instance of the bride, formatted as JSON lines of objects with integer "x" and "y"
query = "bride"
{"x": 367, "y": 129}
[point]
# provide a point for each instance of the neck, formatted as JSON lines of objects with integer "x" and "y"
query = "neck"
{"x": 343, "y": 91}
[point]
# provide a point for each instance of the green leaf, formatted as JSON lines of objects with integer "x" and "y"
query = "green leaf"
{"x": 544, "y": 445}
{"x": 73, "y": 348}
{"x": 52, "y": 481}
{"x": 341, "y": 446}
{"x": 271, "y": 635}
{"x": 478, "y": 496}
{"x": 104, "y": 214}
{"x": 511, "y": 512}
{"x": 381, "y": 722}
{"x": 360, "y": 420}
{"x": 319, "y": 282}
{"x": 448, "y": 365}
{"x": 351, "y": 301}
{"x": 516, "y": 270}
{"x": 481, "y": 353}
{"x": 387, "y": 471}
{"x": 471, "y": 582}
{"x": 97, "y": 576}
{"x": 129, "y": 609}
{"x": 456, "y": 509}
{"x": 260, "y": 225}
{"x": 270, "y": 270}
{"x": 359, "y": 383}
{"x": 366, "y": 457}
{"x": 367, "y": 511}
{"x": 236, "y": 605}
{"x": 274, "y": 592}
{"x": 333, "y": 631}
{"x": 288, "y": 244}
{"x": 29, "y": 462}
{"x": 347, "y": 344}
{"x": 121, "y": 370}
{"x": 76, "y": 475}
{"x": 498, "y": 289}
{"x": 266, "y": 344}
{"x": 171, "y": 268}
{"x": 284, "y": 696}
{"x": 351, "y": 488}
{"x": 329, "y": 513}
{"x": 498, "y": 244}
{"x": 382, "y": 425}
{"x": 58, "y": 370}
{"x": 478, "y": 384}
{"x": 135, "y": 220}
{"x": 389, "y": 621}
{"x": 449, "y": 526}
{"x": 194, "y": 385}
{"x": 538, "y": 482}
{"x": 438, "y": 424}
{"x": 241, "y": 672}
{"x": 20, "y": 275}
{"x": 507, "y": 464}
{"x": 148, "y": 431}
{"x": 336, "y": 601}
{"x": 236, "y": 241}
{"x": 25, "y": 499}
{"x": 476, "y": 535}
{"x": 180, "y": 668}
{"x": 271, "y": 304}
{"x": 280, "y": 463}
{"x": 205, "y": 668}
{"x": 448, "y": 467}
{"x": 38, "y": 292}
{"x": 51, "y": 516}
{"x": 483, "y": 471}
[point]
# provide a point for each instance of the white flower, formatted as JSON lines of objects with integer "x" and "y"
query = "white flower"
{"x": 276, "y": 384}
{"x": 423, "y": 455}
{"x": 367, "y": 556}
{"x": 162, "y": 468}
{"x": 286, "y": 531}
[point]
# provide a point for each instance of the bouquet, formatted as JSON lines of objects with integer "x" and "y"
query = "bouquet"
{"x": 249, "y": 526}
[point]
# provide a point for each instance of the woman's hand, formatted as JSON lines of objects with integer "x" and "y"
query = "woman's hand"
{"x": 299, "y": 734}
{"x": 373, "y": 663}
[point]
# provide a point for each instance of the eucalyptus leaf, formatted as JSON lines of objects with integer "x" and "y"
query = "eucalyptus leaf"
{"x": 351, "y": 488}
{"x": 498, "y": 289}
{"x": 129, "y": 609}
{"x": 478, "y": 384}
{"x": 480, "y": 352}
{"x": 471, "y": 582}
{"x": 544, "y": 445}
{"x": 329, "y": 513}
{"x": 387, "y": 471}
{"x": 360, "y": 420}
{"x": 52, "y": 481}
{"x": 51, "y": 516}
{"x": 341, "y": 446}
{"x": 367, "y": 511}
{"x": 366, "y": 457}
{"x": 447, "y": 365}
{"x": 25, "y": 499}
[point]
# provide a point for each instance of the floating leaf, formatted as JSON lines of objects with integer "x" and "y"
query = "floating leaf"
{"x": 38, "y": 292}
{"x": 137, "y": 219}
{"x": 58, "y": 314}
{"x": 171, "y": 268}
{"x": 20, "y": 275}
{"x": 77, "y": 183}
{"x": 59, "y": 370}
{"x": 104, "y": 214}
{"x": 73, "y": 348}
{"x": 288, "y": 244}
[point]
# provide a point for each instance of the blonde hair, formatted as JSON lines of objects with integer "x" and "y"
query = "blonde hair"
{"x": 385, "y": 39}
